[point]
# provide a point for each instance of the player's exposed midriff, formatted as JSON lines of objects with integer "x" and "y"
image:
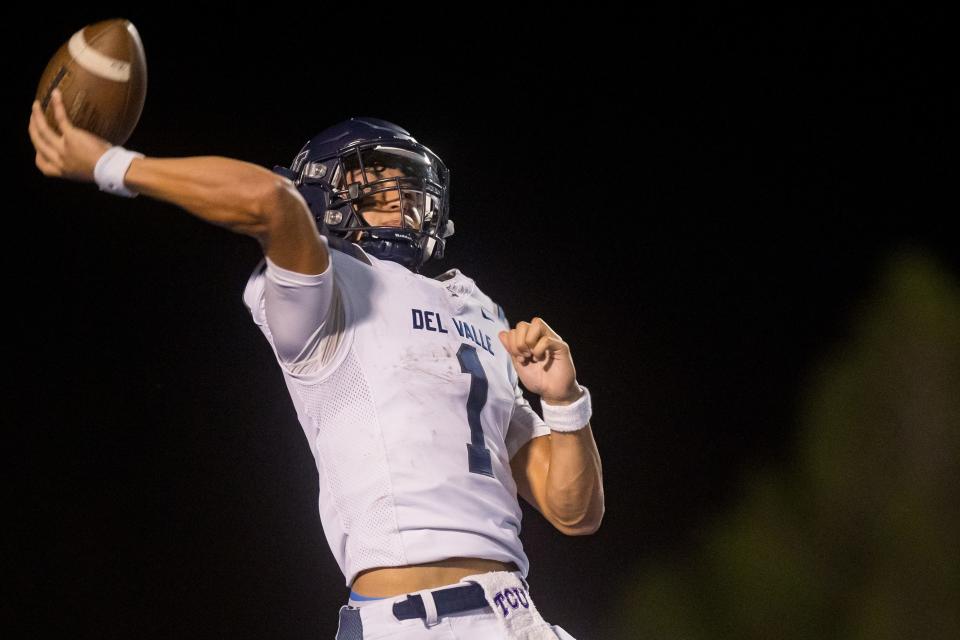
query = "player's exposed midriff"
{"x": 385, "y": 582}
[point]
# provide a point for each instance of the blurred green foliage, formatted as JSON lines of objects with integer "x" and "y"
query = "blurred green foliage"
{"x": 859, "y": 537}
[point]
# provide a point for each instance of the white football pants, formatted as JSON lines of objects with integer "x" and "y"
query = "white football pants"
{"x": 374, "y": 619}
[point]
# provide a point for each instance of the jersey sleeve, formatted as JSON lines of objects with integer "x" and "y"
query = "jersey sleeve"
{"x": 525, "y": 424}
{"x": 294, "y": 307}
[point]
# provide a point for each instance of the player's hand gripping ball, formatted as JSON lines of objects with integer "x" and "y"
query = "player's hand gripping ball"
{"x": 543, "y": 361}
{"x": 72, "y": 154}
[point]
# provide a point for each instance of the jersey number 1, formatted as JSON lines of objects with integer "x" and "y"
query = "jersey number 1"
{"x": 478, "y": 455}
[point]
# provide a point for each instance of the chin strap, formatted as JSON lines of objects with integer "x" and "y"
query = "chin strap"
{"x": 399, "y": 251}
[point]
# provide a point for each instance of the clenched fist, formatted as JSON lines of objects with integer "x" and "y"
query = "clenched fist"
{"x": 72, "y": 153}
{"x": 543, "y": 361}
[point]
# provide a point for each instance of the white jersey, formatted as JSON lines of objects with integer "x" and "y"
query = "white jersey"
{"x": 410, "y": 405}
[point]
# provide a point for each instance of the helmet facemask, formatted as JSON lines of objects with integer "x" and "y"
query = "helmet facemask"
{"x": 369, "y": 182}
{"x": 391, "y": 198}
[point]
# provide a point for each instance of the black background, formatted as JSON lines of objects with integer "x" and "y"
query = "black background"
{"x": 695, "y": 203}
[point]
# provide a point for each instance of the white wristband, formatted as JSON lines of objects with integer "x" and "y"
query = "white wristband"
{"x": 112, "y": 167}
{"x": 570, "y": 417}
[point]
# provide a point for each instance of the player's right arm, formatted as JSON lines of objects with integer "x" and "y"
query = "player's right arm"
{"x": 240, "y": 196}
{"x": 251, "y": 200}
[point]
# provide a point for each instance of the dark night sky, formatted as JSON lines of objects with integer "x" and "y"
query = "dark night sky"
{"x": 696, "y": 204}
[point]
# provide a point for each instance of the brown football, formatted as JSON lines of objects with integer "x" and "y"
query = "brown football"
{"x": 102, "y": 73}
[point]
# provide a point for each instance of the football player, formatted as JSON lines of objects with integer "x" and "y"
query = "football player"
{"x": 406, "y": 387}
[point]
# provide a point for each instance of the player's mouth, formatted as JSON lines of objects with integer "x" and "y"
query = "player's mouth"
{"x": 412, "y": 219}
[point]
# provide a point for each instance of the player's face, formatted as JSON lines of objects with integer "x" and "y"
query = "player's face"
{"x": 383, "y": 209}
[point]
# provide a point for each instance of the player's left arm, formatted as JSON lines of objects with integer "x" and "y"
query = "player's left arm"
{"x": 559, "y": 474}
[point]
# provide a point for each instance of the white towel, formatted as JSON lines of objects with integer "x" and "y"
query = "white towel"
{"x": 513, "y": 606}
